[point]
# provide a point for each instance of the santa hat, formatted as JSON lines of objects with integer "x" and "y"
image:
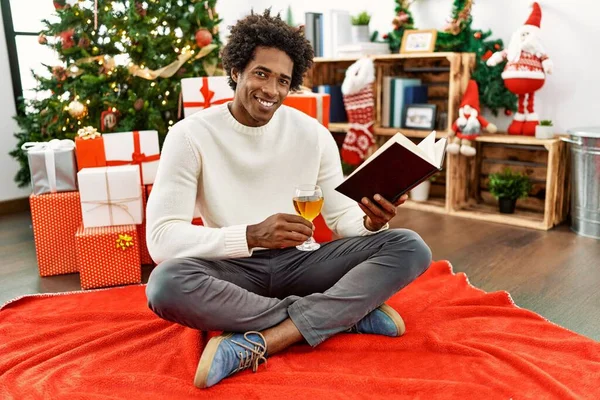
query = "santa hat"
{"x": 471, "y": 97}
{"x": 536, "y": 16}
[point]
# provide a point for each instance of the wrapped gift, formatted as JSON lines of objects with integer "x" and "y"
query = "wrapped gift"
{"x": 90, "y": 153}
{"x": 201, "y": 93}
{"x": 141, "y": 231}
{"x": 55, "y": 218}
{"x": 110, "y": 196}
{"x": 89, "y": 148}
{"x": 52, "y": 166}
{"x": 108, "y": 256}
{"x": 314, "y": 104}
{"x": 137, "y": 147}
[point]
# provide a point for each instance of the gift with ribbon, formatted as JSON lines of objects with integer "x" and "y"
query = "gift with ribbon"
{"x": 55, "y": 218}
{"x": 52, "y": 166}
{"x": 89, "y": 148}
{"x": 204, "y": 92}
{"x": 108, "y": 256}
{"x": 137, "y": 147}
{"x": 111, "y": 196}
{"x": 314, "y": 104}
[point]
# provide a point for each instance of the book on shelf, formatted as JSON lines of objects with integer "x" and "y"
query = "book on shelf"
{"x": 313, "y": 31}
{"x": 397, "y": 167}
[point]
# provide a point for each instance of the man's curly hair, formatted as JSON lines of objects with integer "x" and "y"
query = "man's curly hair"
{"x": 268, "y": 31}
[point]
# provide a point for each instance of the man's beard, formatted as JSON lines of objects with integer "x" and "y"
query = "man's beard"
{"x": 472, "y": 126}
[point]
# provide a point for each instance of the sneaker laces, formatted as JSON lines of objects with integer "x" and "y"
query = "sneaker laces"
{"x": 251, "y": 357}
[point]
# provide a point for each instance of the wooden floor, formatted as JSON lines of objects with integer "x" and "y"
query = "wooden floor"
{"x": 555, "y": 273}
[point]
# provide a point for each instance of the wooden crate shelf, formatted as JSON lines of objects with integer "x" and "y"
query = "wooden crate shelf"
{"x": 545, "y": 162}
{"x": 462, "y": 188}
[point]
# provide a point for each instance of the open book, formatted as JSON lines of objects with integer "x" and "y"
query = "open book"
{"x": 394, "y": 169}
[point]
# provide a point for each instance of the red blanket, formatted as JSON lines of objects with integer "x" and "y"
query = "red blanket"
{"x": 460, "y": 343}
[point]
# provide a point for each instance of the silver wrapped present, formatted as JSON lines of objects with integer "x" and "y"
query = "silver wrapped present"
{"x": 52, "y": 166}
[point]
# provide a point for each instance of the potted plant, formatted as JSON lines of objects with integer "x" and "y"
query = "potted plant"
{"x": 544, "y": 130}
{"x": 360, "y": 27}
{"x": 421, "y": 191}
{"x": 507, "y": 187}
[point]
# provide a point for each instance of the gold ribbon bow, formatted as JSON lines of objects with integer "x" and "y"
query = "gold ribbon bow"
{"x": 124, "y": 241}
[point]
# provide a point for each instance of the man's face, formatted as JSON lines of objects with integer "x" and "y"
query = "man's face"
{"x": 262, "y": 86}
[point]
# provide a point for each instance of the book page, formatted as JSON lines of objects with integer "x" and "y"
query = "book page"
{"x": 428, "y": 147}
{"x": 425, "y": 153}
{"x": 440, "y": 149}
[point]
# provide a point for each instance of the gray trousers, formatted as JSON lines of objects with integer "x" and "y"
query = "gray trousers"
{"x": 324, "y": 292}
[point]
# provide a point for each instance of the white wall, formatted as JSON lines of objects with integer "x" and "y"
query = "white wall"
{"x": 569, "y": 29}
{"x": 8, "y": 165}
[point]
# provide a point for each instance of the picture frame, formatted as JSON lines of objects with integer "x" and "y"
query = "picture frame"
{"x": 418, "y": 41}
{"x": 420, "y": 116}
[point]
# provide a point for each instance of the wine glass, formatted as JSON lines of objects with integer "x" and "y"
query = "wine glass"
{"x": 308, "y": 200}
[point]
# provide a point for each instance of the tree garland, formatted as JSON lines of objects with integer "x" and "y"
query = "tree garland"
{"x": 457, "y": 36}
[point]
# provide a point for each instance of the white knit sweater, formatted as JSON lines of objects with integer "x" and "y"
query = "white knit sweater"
{"x": 236, "y": 176}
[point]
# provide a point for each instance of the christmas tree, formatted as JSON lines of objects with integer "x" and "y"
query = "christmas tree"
{"x": 122, "y": 65}
{"x": 458, "y": 36}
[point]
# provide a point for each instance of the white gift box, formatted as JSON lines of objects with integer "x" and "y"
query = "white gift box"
{"x": 204, "y": 92}
{"x": 137, "y": 147}
{"x": 110, "y": 196}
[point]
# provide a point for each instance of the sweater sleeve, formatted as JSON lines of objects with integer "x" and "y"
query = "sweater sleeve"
{"x": 170, "y": 233}
{"x": 342, "y": 214}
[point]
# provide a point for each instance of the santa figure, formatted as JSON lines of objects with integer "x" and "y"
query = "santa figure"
{"x": 525, "y": 71}
{"x": 469, "y": 123}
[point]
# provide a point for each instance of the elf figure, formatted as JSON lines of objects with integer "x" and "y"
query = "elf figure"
{"x": 357, "y": 90}
{"x": 469, "y": 123}
{"x": 525, "y": 71}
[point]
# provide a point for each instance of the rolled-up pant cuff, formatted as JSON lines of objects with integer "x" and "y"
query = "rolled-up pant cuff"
{"x": 306, "y": 330}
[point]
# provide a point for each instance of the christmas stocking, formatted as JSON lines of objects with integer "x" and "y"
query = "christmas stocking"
{"x": 359, "y": 103}
{"x": 359, "y": 107}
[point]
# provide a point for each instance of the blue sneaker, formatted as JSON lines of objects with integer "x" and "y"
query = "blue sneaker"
{"x": 227, "y": 354}
{"x": 383, "y": 320}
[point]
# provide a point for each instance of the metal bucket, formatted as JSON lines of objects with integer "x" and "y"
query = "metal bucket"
{"x": 585, "y": 178}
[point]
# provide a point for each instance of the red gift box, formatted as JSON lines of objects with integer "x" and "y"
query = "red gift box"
{"x": 55, "y": 218}
{"x": 89, "y": 153}
{"x": 314, "y": 104}
{"x": 108, "y": 256}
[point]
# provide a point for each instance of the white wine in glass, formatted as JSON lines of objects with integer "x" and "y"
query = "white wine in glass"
{"x": 308, "y": 200}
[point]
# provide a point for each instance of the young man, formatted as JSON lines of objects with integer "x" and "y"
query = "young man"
{"x": 239, "y": 163}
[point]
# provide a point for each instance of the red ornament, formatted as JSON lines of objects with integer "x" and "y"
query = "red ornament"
{"x": 108, "y": 120}
{"x": 59, "y": 4}
{"x": 42, "y": 39}
{"x": 487, "y": 55}
{"x": 139, "y": 8}
{"x": 497, "y": 46}
{"x": 508, "y": 112}
{"x": 477, "y": 35}
{"x": 203, "y": 37}
{"x": 385, "y": 36}
{"x": 67, "y": 38}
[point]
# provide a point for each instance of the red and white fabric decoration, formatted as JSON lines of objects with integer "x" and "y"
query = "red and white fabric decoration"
{"x": 359, "y": 102}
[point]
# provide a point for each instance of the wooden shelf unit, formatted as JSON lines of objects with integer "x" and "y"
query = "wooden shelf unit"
{"x": 545, "y": 162}
{"x": 461, "y": 189}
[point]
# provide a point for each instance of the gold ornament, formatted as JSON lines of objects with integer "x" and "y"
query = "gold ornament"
{"x": 77, "y": 109}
